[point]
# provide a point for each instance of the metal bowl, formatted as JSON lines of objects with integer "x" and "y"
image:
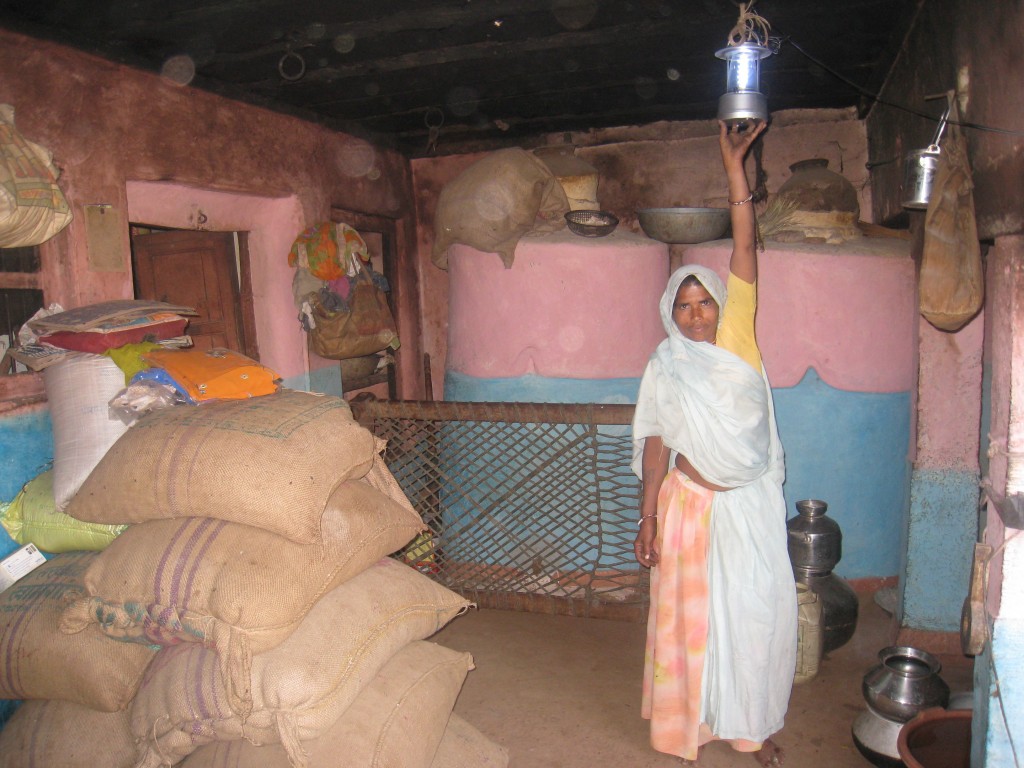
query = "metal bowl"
{"x": 684, "y": 225}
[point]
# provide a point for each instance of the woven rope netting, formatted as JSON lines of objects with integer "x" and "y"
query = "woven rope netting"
{"x": 530, "y": 506}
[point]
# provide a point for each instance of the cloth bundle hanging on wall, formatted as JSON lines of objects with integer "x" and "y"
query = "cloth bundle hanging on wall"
{"x": 342, "y": 301}
{"x": 32, "y": 207}
{"x": 364, "y": 327}
{"x": 952, "y": 280}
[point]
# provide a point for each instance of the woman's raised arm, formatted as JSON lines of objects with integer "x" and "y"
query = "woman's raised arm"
{"x": 735, "y": 141}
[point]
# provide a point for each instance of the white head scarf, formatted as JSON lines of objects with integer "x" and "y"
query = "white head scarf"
{"x": 712, "y": 284}
{"x": 703, "y": 401}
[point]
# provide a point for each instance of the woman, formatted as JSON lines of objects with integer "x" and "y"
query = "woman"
{"x": 721, "y": 635}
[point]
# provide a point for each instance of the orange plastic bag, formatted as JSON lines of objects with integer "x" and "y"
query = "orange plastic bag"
{"x": 215, "y": 374}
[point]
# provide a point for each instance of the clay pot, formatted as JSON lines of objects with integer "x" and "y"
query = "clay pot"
{"x": 936, "y": 738}
{"x": 825, "y": 203}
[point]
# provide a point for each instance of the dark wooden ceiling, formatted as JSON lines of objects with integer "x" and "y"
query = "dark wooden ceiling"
{"x": 438, "y": 76}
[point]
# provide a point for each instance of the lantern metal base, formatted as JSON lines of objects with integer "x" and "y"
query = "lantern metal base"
{"x": 742, "y": 106}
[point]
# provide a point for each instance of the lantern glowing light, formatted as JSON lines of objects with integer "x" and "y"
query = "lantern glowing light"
{"x": 743, "y": 100}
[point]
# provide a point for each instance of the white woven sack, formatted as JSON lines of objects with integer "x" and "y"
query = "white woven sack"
{"x": 79, "y": 389}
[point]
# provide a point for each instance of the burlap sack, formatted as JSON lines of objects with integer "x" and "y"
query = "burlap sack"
{"x": 494, "y": 202}
{"x": 270, "y": 462}
{"x": 303, "y": 685}
{"x": 463, "y": 746}
{"x": 41, "y": 662}
{"x": 395, "y": 722}
{"x": 239, "y": 589}
{"x": 951, "y": 282}
{"x": 60, "y": 733}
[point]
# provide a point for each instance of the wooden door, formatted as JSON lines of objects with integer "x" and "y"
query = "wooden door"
{"x": 194, "y": 269}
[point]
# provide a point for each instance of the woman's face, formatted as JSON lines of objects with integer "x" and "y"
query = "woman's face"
{"x": 695, "y": 313}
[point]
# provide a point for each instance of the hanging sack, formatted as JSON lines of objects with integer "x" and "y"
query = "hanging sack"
{"x": 952, "y": 279}
{"x": 32, "y": 207}
{"x": 367, "y": 326}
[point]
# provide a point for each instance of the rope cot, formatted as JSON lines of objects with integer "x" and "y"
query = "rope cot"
{"x": 530, "y": 506}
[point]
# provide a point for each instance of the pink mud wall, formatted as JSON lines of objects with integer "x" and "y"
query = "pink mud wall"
{"x": 658, "y": 165}
{"x": 273, "y": 224}
{"x": 569, "y": 307}
{"x": 840, "y": 309}
{"x": 112, "y": 128}
{"x": 949, "y": 396}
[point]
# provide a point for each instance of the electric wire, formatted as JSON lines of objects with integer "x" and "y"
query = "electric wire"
{"x": 876, "y": 98}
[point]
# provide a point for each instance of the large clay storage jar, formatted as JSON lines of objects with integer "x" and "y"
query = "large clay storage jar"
{"x": 814, "y": 541}
{"x": 823, "y": 205}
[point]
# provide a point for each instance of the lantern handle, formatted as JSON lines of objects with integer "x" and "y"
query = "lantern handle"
{"x": 942, "y": 127}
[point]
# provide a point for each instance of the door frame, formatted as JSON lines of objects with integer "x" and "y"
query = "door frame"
{"x": 241, "y": 270}
{"x": 402, "y": 295}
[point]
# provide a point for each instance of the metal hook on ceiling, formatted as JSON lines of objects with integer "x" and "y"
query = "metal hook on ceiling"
{"x": 282, "y": 66}
{"x": 433, "y": 126}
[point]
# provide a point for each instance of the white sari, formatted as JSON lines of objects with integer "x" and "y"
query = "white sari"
{"x": 711, "y": 406}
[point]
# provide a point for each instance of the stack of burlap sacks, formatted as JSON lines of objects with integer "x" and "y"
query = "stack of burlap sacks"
{"x": 248, "y": 616}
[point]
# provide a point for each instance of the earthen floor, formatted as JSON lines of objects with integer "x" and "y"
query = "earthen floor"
{"x": 562, "y": 692}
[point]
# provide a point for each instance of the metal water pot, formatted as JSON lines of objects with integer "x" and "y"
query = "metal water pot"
{"x": 815, "y": 545}
{"x": 905, "y": 682}
{"x": 839, "y": 607}
{"x": 814, "y": 540}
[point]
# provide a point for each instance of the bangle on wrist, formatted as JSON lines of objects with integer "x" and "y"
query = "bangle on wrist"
{"x": 744, "y": 201}
{"x": 644, "y": 517}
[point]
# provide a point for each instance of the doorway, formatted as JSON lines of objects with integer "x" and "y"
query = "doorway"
{"x": 208, "y": 271}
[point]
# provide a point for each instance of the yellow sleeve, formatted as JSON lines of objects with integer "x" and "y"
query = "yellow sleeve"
{"x": 736, "y": 329}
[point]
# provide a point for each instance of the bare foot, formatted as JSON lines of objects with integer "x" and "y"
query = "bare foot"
{"x": 770, "y": 755}
{"x": 694, "y": 763}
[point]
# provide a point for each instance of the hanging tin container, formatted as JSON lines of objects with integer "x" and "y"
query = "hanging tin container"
{"x": 919, "y": 171}
{"x": 919, "y": 168}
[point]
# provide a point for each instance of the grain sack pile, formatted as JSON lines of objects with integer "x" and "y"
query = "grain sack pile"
{"x": 247, "y": 615}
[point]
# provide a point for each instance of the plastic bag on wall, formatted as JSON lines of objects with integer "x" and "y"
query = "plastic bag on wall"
{"x": 32, "y": 207}
{"x": 952, "y": 279}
